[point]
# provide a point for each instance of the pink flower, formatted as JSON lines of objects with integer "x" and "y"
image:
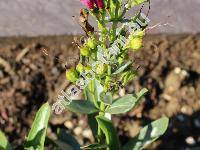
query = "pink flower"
{"x": 91, "y": 3}
{"x": 99, "y": 3}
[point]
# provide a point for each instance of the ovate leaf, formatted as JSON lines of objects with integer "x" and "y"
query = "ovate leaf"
{"x": 148, "y": 134}
{"x": 4, "y": 144}
{"x": 66, "y": 139}
{"x": 106, "y": 126}
{"x": 122, "y": 105}
{"x": 36, "y": 136}
{"x": 60, "y": 145}
{"x": 126, "y": 103}
{"x": 140, "y": 95}
{"x": 93, "y": 124}
{"x": 82, "y": 106}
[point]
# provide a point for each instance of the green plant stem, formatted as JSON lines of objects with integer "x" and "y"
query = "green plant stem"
{"x": 102, "y": 113}
{"x": 100, "y": 132}
{"x": 109, "y": 70}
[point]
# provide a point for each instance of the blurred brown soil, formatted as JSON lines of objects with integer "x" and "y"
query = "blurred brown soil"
{"x": 169, "y": 68}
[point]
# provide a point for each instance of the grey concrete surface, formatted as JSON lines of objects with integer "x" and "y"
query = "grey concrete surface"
{"x": 53, "y": 17}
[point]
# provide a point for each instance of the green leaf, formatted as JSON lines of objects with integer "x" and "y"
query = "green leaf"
{"x": 36, "y": 136}
{"x": 95, "y": 146}
{"x": 4, "y": 144}
{"x": 66, "y": 138}
{"x": 121, "y": 105}
{"x": 106, "y": 126}
{"x": 148, "y": 134}
{"x": 122, "y": 68}
{"x": 82, "y": 106}
{"x": 142, "y": 93}
{"x": 106, "y": 98}
{"x": 60, "y": 145}
{"x": 93, "y": 91}
{"x": 126, "y": 103}
{"x": 92, "y": 94}
{"x": 93, "y": 124}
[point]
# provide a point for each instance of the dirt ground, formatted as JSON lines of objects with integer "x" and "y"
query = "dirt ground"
{"x": 169, "y": 68}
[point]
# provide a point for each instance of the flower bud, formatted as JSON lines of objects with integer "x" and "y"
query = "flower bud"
{"x": 135, "y": 40}
{"x": 101, "y": 68}
{"x": 87, "y": 68}
{"x": 85, "y": 51}
{"x": 89, "y": 3}
{"x": 136, "y": 43}
{"x": 120, "y": 60}
{"x": 72, "y": 75}
{"x": 91, "y": 43}
{"x": 80, "y": 68}
{"x": 100, "y": 4}
{"x": 107, "y": 83}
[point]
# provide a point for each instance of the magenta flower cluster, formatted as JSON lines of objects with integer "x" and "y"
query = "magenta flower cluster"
{"x": 91, "y": 4}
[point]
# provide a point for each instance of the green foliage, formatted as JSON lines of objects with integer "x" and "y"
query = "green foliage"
{"x": 93, "y": 91}
{"x": 106, "y": 98}
{"x": 121, "y": 105}
{"x": 37, "y": 134}
{"x": 105, "y": 54}
{"x": 93, "y": 124}
{"x": 82, "y": 106}
{"x": 148, "y": 134}
{"x": 4, "y": 144}
{"x": 66, "y": 141}
{"x": 125, "y": 103}
{"x": 106, "y": 126}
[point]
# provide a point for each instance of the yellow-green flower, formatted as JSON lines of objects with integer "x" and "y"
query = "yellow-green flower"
{"x": 135, "y": 43}
{"x": 101, "y": 68}
{"x": 87, "y": 68}
{"x": 80, "y": 68}
{"x": 72, "y": 75}
{"x": 135, "y": 40}
{"x": 92, "y": 43}
{"x": 85, "y": 50}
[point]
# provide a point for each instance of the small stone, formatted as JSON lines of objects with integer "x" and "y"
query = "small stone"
{"x": 184, "y": 73}
{"x": 131, "y": 89}
{"x": 190, "y": 140}
{"x": 183, "y": 109}
{"x": 81, "y": 122}
{"x": 1, "y": 74}
{"x": 87, "y": 133}
{"x": 77, "y": 130}
{"x": 177, "y": 70}
{"x": 122, "y": 92}
{"x": 68, "y": 124}
{"x": 27, "y": 70}
{"x": 197, "y": 123}
{"x": 55, "y": 71}
{"x": 180, "y": 118}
